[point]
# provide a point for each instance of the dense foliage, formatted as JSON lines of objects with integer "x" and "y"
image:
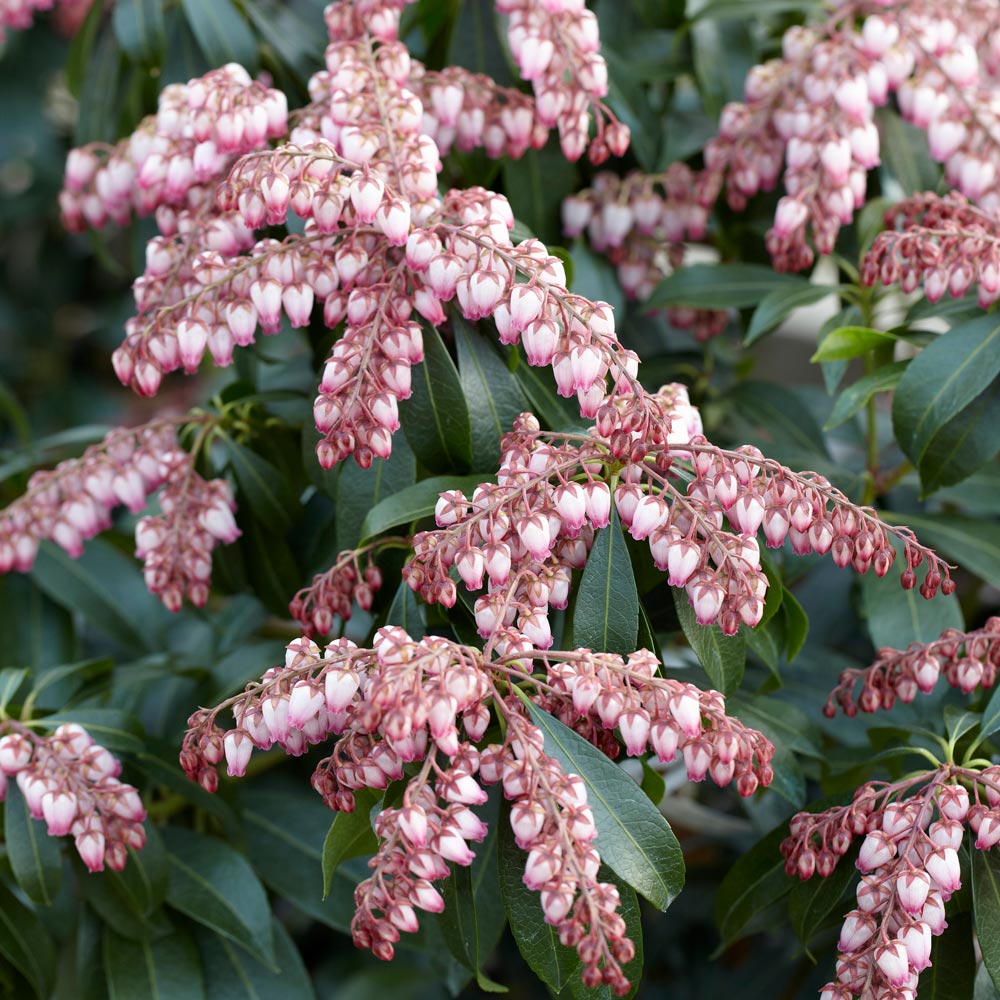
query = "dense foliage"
{"x": 499, "y": 471}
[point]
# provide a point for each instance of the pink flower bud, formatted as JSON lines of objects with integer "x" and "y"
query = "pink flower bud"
{"x": 893, "y": 962}
{"x": 15, "y": 752}
{"x": 59, "y": 810}
{"x": 90, "y": 845}
{"x": 856, "y": 931}
{"x": 536, "y": 536}
{"x": 238, "y": 747}
{"x": 876, "y": 850}
{"x": 911, "y": 890}
{"x": 943, "y": 867}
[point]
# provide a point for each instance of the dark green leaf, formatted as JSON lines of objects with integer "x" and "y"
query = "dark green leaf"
{"x": 492, "y": 393}
{"x": 294, "y": 37}
{"x": 407, "y": 612}
{"x": 905, "y": 154}
{"x": 436, "y": 419}
{"x": 223, "y": 36}
{"x": 811, "y": 902}
{"x": 350, "y": 835}
{"x": 412, "y": 503}
{"x": 777, "y": 305}
{"x": 720, "y": 286}
{"x": 265, "y": 488}
{"x": 271, "y": 568}
{"x": 139, "y": 27}
{"x": 474, "y": 42}
{"x": 97, "y": 117}
{"x": 11, "y": 681}
{"x": 755, "y": 882}
{"x": 796, "y": 624}
{"x": 942, "y": 381}
{"x": 606, "y": 613}
{"x": 984, "y": 988}
{"x": 952, "y": 973}
{"x": 35, "y": 857}
{"x": 783, "y": 420}
{"x": 212, "y": 884}
{"x": 633, "y": 838}
{"x": 536, "y": 185}
{"x": 986, "y": 907}
{"x": 166, "y": 968}
{"x": 856, "y": 396}
{"x": 37, "y": 631}
{"x": 851, "y": 342}
{"x": 897, "y": 617}
{"x": 26, "y": 944}
{"x": 723, "y": 657}
{"x": 231, "y": 974}
{"x": 106, "y": 587}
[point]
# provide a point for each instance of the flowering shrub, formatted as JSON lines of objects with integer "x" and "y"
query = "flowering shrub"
{"x": 564, "y": 567}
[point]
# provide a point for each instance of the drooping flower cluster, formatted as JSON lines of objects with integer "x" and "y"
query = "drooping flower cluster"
{"x": 808, "y": 119}
{"x": 429, "y": 701}
{"x": 910, "y": 868}
{"x": 74, "y": 501}
{"x": 18, "y": 15}
{"x": 967, "y": 660}
{"x": 676, "y": 491}
{"x": 72, "y": 783}
{"x": 945, "y": 244}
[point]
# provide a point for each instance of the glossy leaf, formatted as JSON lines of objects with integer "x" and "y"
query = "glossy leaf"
{"x": 223, "y": 36}
{"x": 264, "y": 487}
{"x": 11, "y": 682}
{"x": 407, "y": 612}
{"x": 853, "y": 399}
{"x": 435, "y": 419}
{"x": 214, "y": 885}
{"x": 952, "y": 974}
{"x": 292, "y": 35}
{"x": 492, "y": 393}
{"x": 606, "y": 613}
{"x": 232, "y": 974}
{"x": 38, "y": 632}
{"x": 139, "y": 28}
{"x": 851, "y": 342}
{"x": 720, "y": 286}
{"x": 536, "y": 184}
{"x": 723, "y": 657}
{"x": 35, "y": 857}
{"x": 413, "y": 503}
{"x": 811, "y": 903}
{"x": 986, "y": 907}
{"x": 26, "y": 944}
{"x": 350, "y": 835}
{"x": 633, "y": 837}
{"x": 777, "y": 305}
{"x": 165, "y": 968}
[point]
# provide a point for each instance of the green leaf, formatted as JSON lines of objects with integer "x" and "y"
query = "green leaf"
{"x": 412, "y": 503}
{"x": 811, "y": 902}
{"x": 595, "y": 278}
{"x": 165, "y": 968}
{"x": 796, "y": 624}
{"x": 35, "y": 857}
{"x": 986, "y": 907}
{"x": 270, "y": 566}
{"x": 231, "y": 974}
{"x": 606, "y": 614}
{"x": 11, "y": 680}
{"x": 106, "y": 587}
{"x": 984, "y": 988}
{"x": 905, "y": 154}
{"x": 851, "y": 342}
{"x": 723, "y": 657}
{"x": 897, "y": 617}
{"x": 265, "y": 488}
{"x": 139, "y": 28}
{"x": 212, "y": 884}
{"x": 633, "y": 837}
{"x": 26, "y": 944}
{"x": 223, "y": 36}
{"x": 474, "y": 42}
{"x": 720, "y": 286}
{"x": 779, "y": 415}
{"x": 536, "y": 184}
{"x": 407, "y": 612}
{"x": 435, "y": 419}
{"x": 359, "y": 490}
{"x": 96, "y": 119}
{"x": 755, "y": 881}
{"x": 941, "y": 381}
{"x": 351, "y": 834}
{"x": 778, "y": 304}
{"x": 492, "y": 393}
{"x": 293, "y": 36}
{"x": 37, "y": 631}
{"x": 952, "y": 974}
{"x": 780, "y": 722}
{"x": 856, "y": 396}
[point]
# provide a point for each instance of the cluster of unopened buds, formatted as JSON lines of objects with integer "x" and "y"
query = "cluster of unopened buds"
{"x": 946, "y": 244}
{"x": 913, "y": 830}
{"x": 967, "y": 660}
{"x": 74, "y": 501}
{"x": 428, "y": 701}
{"x": 642, "y": 233}
{"x": 333, "y": 593}
{"x": 808, "y": 119}
{"x": 72, "y": 783}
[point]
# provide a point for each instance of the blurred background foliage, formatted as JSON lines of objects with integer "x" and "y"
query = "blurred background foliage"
{"x": 63, "y": 300}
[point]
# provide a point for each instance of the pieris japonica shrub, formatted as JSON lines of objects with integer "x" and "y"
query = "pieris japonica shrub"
{"x": 489, "y": 576}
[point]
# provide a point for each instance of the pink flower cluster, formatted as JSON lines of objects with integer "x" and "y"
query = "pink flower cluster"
{"x": 596, "y": 693}
{"x": 74, "y": 501}
{"x": 966, "y": 659}
{"x": 72, "y": 783}
{"x": 910, "y": 868}
{"x": 18, "y": 15}
{"x": 944, "y": 244}
{"x": 642, "y": 232}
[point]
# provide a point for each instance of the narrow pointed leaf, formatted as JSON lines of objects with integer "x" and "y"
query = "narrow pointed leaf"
{"x": 164, "y": 968}
{"x": 350, "y": 835}
{"x": 35, "y": 857}
{"x": 223, "y": 36}
{"x": 26, "y": 944}
{"x": 412, "y": 503}
{"x": 723, "y": 657}
{"x": 986, "y": 908}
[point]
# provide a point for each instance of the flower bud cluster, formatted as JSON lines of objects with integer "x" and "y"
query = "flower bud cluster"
{"x": 333, "y": 593}
{"x": 913, "y": 831}
{"x": 552, "y": 821}
{"x": 944, "y": 244}
{"x": 642, "y": 233}
{"x": 18, "y": 15}
{"x": 596, "y": 693}
{"x": 174, "y": 158}
{"x": 431, "y": 829}
{"x": 967, "y": 660}
{"x": 72, "y": 783}
{"x": 556, "y": 46}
